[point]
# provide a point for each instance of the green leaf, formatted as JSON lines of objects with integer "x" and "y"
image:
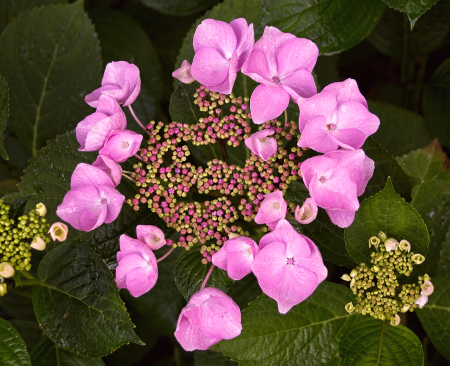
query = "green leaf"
{"x": 76, "y": 299}
{"x": 374, "y": 342}
{"x": 400, "y": 130}
{"x": 179, "y": 7}
{"x": 244, "y": 291}
{"x": 182, "y": 108}
{"x": 431, "y": 198}
{"x": 122, "y": 38}
{"x": 387, "y": 212}
{"x": 46, "y": 353}
{"x": 51, "y": 60}
{"x": 444, "y": 261}
{"x": 211, "y": 358}
{"x": 18, "y": 304}
{"x": 4, "y": 113}
{"x": 28, "y": 330}
{"x": 434, "y": 316}
{"x": 308, "y": 334}
{"x": 189, "y": 273}
{"x": 13, "y": 351}
{"x": 414, "y": 9}
{"x": 386, "y": 166}
{"x": 333, "y": 25}
{"x": 17, "y": 203}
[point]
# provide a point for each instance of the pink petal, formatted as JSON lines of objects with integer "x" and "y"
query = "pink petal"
{"x": 215, "y": 34}
{"x": 268, "y": 211}
{"x": 220, "y": 258}
{"x": 141, "y": 280}
{"x": 133, "y": 246}
{"x": 93, "y": 218}
{"x": 121, "y": 145}
{"x": 267, "y": 103}
{"x": 341, "y": 218}
{"x": 346, "y": 91}
{"x": 114, "y": 201}
{"x": 296, "y": 54}
{"x": 245, "y": 37}
{"x": 307, "y": 213}
{"x": 190, "y": 337}
{"x": 261, "y": 145}
{"x": 315, "y": 262}
{"x": 349, "y": 138}
{"x": 110, "y": 167}
{"x": 88, "y": 175}
{"x": 184, "y": 73}
{"x": 318, "y": 164}
{"x": 209, "y": 67}
{"x": 270, "y": 264}
{"x": 127, "y": 264}
{"x": 151, "y": 235}
{"x": 239, "y": 265}
{"x": 355, "y": 115}
{"x": 93, "y": 98}
{"x": 316, "y": 136}
{"x": 126, "y": 77}
{"x": 323, "y": 104}
{"x": 299, "y": 84}
{"x": 227, "y": 86}
{"x": 257, "y": 68}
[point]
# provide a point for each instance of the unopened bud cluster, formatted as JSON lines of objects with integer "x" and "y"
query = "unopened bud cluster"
{"x": 376, "y": 287}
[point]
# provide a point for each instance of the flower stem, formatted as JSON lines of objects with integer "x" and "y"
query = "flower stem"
{"x": 165, "y": 255}
{"x": 137, "y": 156}
{"x": 285, "y": 116}
{"x": 127, "y": 172}
{"x": 27, "y": 275}
{"x": 207, "y": 277}
{"x": 129, "y": 178}
{"x": 137, "y": 119}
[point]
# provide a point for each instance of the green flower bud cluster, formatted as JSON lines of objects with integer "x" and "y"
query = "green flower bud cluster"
{"x": 16, "y": 236}
{"x": 376, "y": 287}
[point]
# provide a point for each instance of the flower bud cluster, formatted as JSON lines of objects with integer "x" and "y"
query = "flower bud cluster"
{"x": 376, "y": 286}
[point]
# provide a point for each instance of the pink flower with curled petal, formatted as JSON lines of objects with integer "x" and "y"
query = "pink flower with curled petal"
{"x": 121, "y": 82}
{"x": 282, "y": 63}
{"x": 272, "y": 209}
{"x": 209, "y": 317}
{"x": 184, "y": 73}
{"x": 236, "y": 257}
{"x": 121, "y": 145}
{"x": 421, "y": 301}
{"x": 288, "y": 267}
{"x": 94, "y": 130}
{"x": 151, "y": 235}
{"x": 337, "y": 116}
{"x": 335, "y": 180}
{"x": 137, "y": 270}
{"x": 307, "y": 213}
{"x": 220, "y": 51}
{"x": 261, "y": 145}
{"x": 110, "y": 167}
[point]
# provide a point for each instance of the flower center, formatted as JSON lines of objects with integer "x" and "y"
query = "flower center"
{"x": 276, "y": 205}
{"x": 331, "y": 127}
{"x": 276, "y": 80}
{"x": 262, "y": 139}
{"x": 290, "y": 261}
{"x": 104, "y": 200}
{"x": 155, "y": 238}
{"x": 126, "y": 144}
{"x": 322, "y": 179}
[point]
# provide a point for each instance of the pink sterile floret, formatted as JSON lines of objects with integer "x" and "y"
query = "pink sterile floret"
{"x": 288, "y": 267}
{"x": 151, "y": 235}
{"x": 184, "y": 73}
{"x": 236, "y": 256}
{"x": 121, "y": 145}
{"x": 121, "y": 81}
{"x": 272, "y": 209}
{"x": 94, "y": 130}
{"x": 337, "y": 116}
{"x": 335, "y": 180}
{"x": 209, "y": 317}
{"x": 307, "y": 213}
{"x": 110, "y": 167}
{"x": 89, "y": 175}
{"x": 262, "y": 145}
{"x": 220, "y": 51}
{"x": 137, "y": 270}
{"x": 282, "y": 63}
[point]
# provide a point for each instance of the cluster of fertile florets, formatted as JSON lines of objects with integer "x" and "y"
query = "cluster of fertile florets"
{"x": 376, "y": 287}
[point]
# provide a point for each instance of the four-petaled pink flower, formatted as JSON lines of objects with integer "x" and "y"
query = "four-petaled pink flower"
{"x": 335, "y": 180}
{"x": 94, "y": 130}
{"x": 337, "y": 116}
{"x": 288, "y": 267}
{"x": 236, "y": 256}
{"x": 209, "y": 317}
{"x": 121, "y": 81}
{"x": 307, "y": 213}
{"x": 272, "y": 209}
{"x": 220, "y": 51}
{"x": 137, "y": 270}
{"x": 121, "y": 145}
{"x": 184, "y": 73}
{"x": 282, "y": 63}
{"x": 262, "y": 145}
{"x": 151, "y": 235}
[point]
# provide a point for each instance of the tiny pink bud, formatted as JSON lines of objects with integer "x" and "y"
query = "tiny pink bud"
{"x": 307, "y": 213}
{"x": 261, "y": 145}
{"x": 427, "y": 288}
{"x": 184, "y": 73}
{"x": 58, "y": 231}
{"x": 272, "y": 209}
{"x": 151, "y": 235}
{"x": 421, "y": 301}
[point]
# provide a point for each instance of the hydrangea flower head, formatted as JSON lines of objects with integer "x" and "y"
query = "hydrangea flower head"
{"x": 262, "y": 145}
{"x": 220, "y": 51}
{"x": 184, "y": 73}
{"x": 272, "y": 209}
{"x": 282, "y": 63}
{"x": 151, "y": 235}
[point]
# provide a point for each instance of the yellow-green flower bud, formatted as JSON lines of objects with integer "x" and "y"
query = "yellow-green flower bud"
{"x": 391, "y": 244}
{"x": 405, "y": 308}
{"x": 353, "y": 273}
{"x": 232, "y": 235}
{"x": 6, "y": 270}
{"x": 41, "y": 209}
{"x": 58, "y": 231}
{"x": 375, "y": 269}
{"x": 3, "y": 289}
{"x": 395, "y": 320}
{"x": 374, "y": 241}
{"x": 38, "y": 243}
{"x": 346, "y": 277}
{"x": 382, "y": 236}
{"x": 405, "y": 245}
{"x": 349, "y": 307}
{"x": 418, "y": 258}
{"x": 352, "y": 282}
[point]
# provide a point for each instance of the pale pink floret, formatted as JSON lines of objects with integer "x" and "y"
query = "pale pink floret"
{"x": 151, "y": 235}
{"x": 421, "y": 301}
{"x": 335, "y": 180}
{"x": 307, "y": 212}
{"x": 94, "y": 130}
{"x": 110, "y": 167}
{"x": 288, "y": 267}
{"x": 121, "y": 81}
{"x": 236, "y": 257}
{"x": 209, "y": 317}
{"x": 220, "y": 51}
{"x": 262, "y": 145}
{"x": 336, "y": 117}
{"x": 137, "y": 270}
{"x": 272, "y": 209}
{"x": 282, "y": 63}
{"x": 121, "y": 145}
{"x": 184, "y": 73}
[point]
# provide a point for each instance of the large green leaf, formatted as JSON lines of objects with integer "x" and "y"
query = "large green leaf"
{"x": 414, "y": 9}
{"x": 309, "y": 334}
{"x": 28, "y": 330}
{"x": 431, "y": 198}
{"x": 189, "y": 273}
{"x": 400, "y": 130}
{"x": 46, "y": 353}
{"x": 244, "y": 291}
{"x": 121, "y": 38}
{"x": 444, "y": 261}
{"x": 51, "y": 60}
{"x": 4, "y": 112}
{"x": 374, "y": 342}
{"x": 13, "y": 351}
{"x": 211, "y": 358}
{"x": 182, "y": 108}
{"x": 387, "y": 212}
{"x": 179, "y": 7}
{"x": 76, "y": 300}
{"x": 434, "y": 316}
{"x": 334, "y": 25}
